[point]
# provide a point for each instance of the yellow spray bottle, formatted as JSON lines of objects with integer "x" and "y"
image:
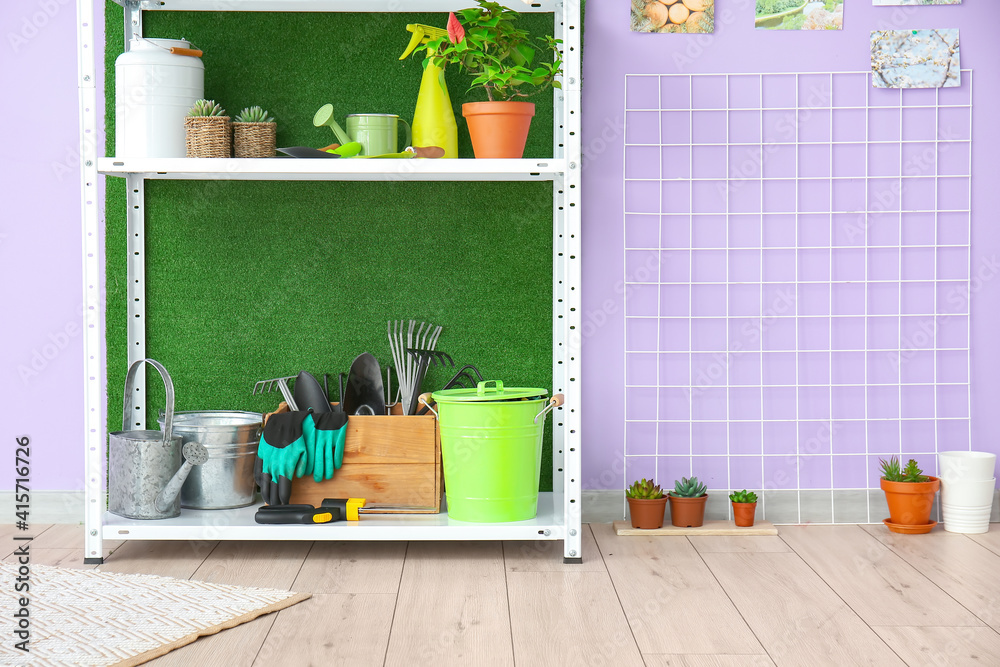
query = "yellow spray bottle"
{"x": 433, "y": 119}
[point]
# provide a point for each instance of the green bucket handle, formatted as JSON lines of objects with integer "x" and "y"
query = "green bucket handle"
{"x": 482, "y": 389}
{"x": 550, "y": 405}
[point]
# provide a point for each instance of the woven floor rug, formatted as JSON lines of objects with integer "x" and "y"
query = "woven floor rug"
{"x": 84, "y": 618}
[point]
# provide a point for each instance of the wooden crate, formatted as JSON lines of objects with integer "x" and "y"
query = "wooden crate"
{"x": 390, "y": 459}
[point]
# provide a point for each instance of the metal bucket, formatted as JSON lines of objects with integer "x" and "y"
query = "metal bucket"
{"x": 140, "y": 463}
{"x": 226, "y": 480}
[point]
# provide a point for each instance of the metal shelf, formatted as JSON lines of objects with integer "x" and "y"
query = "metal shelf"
{"x": 292, "y": 169}
{"x": 238, "y": 524}
{"x": 558, "y": 511}
{"x": 324, "y": 5}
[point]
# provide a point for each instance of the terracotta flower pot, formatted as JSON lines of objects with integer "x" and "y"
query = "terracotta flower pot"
{"x": 910, "y": 502}
{"x": 743, "y": 513}
{"x": 498, "y": 129}
{"x": 645, "y": 513}
{"x": 687, "y": 512}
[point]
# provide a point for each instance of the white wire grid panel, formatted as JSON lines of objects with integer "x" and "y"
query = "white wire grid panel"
{"x": 798, "y": 272}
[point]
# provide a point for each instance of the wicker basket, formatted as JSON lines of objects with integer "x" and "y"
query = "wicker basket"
{"x": 208, "y": 136}
{"x": 254, "y": 139}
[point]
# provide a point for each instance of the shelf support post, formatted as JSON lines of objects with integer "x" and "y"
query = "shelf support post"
{"x": 568, "y": 288}
{"x": 136, "y": 291}
{"x": 93, "y": 333}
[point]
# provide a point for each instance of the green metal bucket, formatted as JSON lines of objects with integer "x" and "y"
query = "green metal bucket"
{"x": 491, "y": 450}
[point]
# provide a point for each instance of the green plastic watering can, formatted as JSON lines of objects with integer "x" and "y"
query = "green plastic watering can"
{"x": 377, "y": 133}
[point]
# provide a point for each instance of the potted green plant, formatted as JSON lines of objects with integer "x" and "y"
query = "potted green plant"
{"x": 646, "y": 504}
{"x": 744, "y": 507}
{"x": 910, "y": 496}
{"x": 254, "y": 133}
{"x": 206, "y": 130}
{"x": 687, "y": 503}
{"x": 488, "y": 45}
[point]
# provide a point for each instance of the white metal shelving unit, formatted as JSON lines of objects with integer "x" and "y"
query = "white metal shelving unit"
{"x": 559, "y": 511}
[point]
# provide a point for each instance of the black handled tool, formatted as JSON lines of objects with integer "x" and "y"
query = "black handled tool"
{"x": 312, "y": 515}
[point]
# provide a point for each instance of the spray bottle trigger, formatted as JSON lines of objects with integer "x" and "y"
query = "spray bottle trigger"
{"x": 418, "y": 36}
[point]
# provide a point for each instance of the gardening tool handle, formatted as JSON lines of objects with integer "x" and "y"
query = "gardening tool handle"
{"x": 128, "y": 403}
{"x": 481, "y": 388}
{"x": 550, "y": 405}
{"x": 425, "y": 399}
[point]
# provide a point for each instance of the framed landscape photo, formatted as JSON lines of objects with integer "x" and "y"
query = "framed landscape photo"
{"x": 799, "y": 15}
{"x": 673, "y": 16}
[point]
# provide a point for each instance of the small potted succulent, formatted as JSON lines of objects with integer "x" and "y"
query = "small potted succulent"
{"x": 254, "y": 133}
{"x": 687, "y": 503}
{"x": 744, "y": 507}
{"x": 910, "y": 496}
{"x": 646, "y": 504}
{"x": 206, "y": 130}
{"x": 488, "y": 45}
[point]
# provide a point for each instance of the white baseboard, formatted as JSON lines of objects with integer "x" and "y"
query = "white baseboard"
{"x": 599, "y": 506}
{"x": 45, "y": 507}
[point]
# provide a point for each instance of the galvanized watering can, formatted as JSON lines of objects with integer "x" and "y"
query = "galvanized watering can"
{"x": 145, "y": 472}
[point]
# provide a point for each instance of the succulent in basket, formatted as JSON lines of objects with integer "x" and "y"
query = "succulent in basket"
{"x": 891, "y": 471}
{"x": 254, "y": 114}
{"x": 743, "y": 496}
{"x": 206, "y": 108}
{"x": 688, "y": 488}
{"x": 644, "y": 490}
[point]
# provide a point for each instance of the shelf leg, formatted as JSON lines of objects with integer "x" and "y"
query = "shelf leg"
{"x": 136, "y": 334}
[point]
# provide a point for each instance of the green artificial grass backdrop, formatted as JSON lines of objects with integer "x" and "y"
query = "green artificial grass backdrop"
{"x": 251, "y": 280}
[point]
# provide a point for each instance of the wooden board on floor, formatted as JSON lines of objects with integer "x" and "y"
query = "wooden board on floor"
{"x": 873, "y": 580}
{"x": 568, "y": 618}
{"x": 963, "y": 568}
{"x": 730, "y": 544}
{"x": 714, "y": 527}
{"x": 990, "y": 540}
{"x": 793, "y": 612}
{"x": 263, "y": 564}
{"x": 667, "y": 592}
{"x": 333, "y": 630}
{"x": 451, "y": 608}
{"x": 166, "y": 558}
{"x": 352, "y": 567}
{"x": 659, "y": 660}
{"x": 944, "y": 646}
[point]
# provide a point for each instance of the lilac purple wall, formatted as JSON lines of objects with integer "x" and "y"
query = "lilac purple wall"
{"x": 40, "y": 238}
{"x": 42, "y": 359}
{"x": 611, "y": 52}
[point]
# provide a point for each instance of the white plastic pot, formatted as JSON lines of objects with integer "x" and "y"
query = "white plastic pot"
{"x": 154, "y": 89}
{"x": 966, "y": 505}
{"x": 965, "y": 466}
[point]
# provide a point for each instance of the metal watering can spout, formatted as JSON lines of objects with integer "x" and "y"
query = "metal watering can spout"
{"x": 325, "y": 117}
{"x": 195, "y": 454}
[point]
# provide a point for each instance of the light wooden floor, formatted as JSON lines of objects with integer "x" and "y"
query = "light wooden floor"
{"x": 813, "y": 595}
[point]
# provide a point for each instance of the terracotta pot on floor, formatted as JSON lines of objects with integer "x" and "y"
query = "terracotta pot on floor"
{"x": 646, "y": 513}
{"x": 687, "y": 512}
{"x": 743, "y": 514}
{"x": 498, "y": 129}
{"x": 910, "y": 502}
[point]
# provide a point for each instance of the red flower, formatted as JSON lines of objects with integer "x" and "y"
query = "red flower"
{"x": 456, "y": 33}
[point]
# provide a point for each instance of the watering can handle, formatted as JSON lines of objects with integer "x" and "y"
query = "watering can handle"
{"x": 554, "y": 402}
{"x": 129, "y": 401}
{"x": 409, "y": 133}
